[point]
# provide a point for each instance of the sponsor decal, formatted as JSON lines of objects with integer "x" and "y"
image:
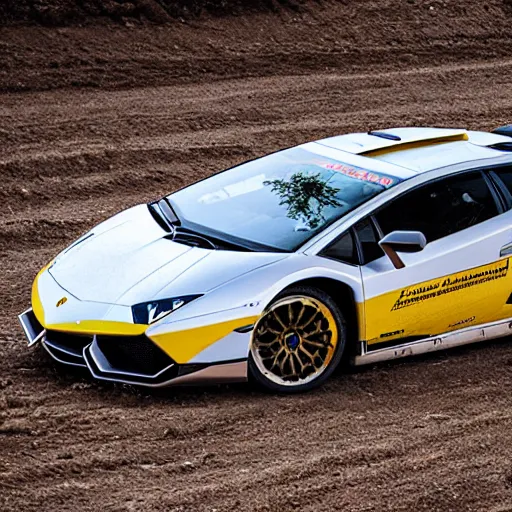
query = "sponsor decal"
{"x": 463, "y": 322}
{"x": 394, "y": 333}
{"x": 359, "y": 174}
{"x": 449, "y": 284}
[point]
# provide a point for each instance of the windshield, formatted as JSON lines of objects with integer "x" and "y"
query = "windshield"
{"x": 278, "y": 201}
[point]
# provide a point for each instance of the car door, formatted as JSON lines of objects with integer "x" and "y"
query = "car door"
{"x": 461, "y": 278}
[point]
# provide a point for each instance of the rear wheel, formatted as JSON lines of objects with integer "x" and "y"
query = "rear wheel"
{"x": 298, "y": 341}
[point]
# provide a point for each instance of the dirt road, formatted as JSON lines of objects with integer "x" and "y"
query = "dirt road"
{"x": 426, "y": 434}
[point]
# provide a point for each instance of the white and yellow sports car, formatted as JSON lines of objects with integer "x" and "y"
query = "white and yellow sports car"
{"x": 374, "y": 245}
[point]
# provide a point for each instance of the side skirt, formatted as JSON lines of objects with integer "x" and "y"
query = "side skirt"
{"x": 466, "y": 336}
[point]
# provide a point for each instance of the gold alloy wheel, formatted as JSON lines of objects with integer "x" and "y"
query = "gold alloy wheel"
{"x": 294, "y": 340}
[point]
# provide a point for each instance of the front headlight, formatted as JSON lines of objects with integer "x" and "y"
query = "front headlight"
{"x": 150, "y": 312}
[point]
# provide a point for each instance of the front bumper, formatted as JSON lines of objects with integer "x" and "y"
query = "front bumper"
{"x": 127, "y": 359}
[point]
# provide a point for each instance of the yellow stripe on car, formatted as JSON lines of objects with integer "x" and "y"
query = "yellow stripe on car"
{"x": 37, "y": 307}
{"x": 100, "y": 327}
{"x": 183, "y": 345}
{"x": 441, "y": 305}
{"x": 403, "y": 146}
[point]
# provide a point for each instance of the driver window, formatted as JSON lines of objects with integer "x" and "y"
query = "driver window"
{"x": 506, "y": 177}
{"x": 441, "y": 208}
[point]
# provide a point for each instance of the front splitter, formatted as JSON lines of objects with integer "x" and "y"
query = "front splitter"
{"x": 95, "y": 361}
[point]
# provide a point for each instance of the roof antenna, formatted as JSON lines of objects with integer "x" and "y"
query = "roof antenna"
{"x": 384, "y": 135}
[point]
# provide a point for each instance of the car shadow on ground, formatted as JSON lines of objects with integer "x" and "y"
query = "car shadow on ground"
{"x": 405, "y": 368}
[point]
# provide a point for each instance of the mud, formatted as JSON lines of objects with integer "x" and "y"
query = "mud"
{"x": 80, "y": 141}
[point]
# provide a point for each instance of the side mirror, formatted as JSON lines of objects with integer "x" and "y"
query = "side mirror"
{"x": 403, "y": 241}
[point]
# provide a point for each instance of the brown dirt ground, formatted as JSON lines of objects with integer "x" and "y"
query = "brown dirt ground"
{"x": 169, "y": 105}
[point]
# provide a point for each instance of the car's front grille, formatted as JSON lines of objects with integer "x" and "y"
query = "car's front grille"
{"x": 136, "y": 354}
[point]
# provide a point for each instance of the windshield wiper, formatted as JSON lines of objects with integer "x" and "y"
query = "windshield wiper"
{"x": 215, "y": 242}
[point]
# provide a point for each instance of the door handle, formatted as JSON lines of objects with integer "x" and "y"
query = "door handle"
{"x": 506, "y": 250}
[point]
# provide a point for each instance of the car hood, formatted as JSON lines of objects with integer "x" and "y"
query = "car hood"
{"x": 127, "y": 260}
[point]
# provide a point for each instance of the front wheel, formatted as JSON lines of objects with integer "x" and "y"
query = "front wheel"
{"x": 298, "y": 341}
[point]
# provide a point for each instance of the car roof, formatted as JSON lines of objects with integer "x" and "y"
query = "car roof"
{"x": 407, "y": 152}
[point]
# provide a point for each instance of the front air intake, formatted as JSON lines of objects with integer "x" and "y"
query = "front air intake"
{"x": 133, "y": 354}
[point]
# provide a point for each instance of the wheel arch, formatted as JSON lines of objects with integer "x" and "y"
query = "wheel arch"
{"x": 343, "y": 296}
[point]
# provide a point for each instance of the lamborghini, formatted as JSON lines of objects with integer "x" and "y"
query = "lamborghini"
{"x": 363, "y": 247}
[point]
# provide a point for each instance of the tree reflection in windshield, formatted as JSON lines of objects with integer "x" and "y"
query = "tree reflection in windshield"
{"x": 305, "y": 196}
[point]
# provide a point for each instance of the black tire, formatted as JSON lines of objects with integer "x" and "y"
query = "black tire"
{"x": 307, "y": 298}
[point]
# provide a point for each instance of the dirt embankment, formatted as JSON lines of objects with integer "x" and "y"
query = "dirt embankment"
{"x": 96, "y": 118}
{"x": 74, "y": 12}
{"x": 328, "y": 36}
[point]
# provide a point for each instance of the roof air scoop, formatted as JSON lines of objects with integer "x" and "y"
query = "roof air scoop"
{"x": 385, "y": 135}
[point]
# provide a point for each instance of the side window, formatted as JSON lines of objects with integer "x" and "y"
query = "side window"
{"x": 505, "y": 176}
{"x": 342, "y": 249}
{"x": 368, "y": 241}
{"x": 441, "y": 208}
